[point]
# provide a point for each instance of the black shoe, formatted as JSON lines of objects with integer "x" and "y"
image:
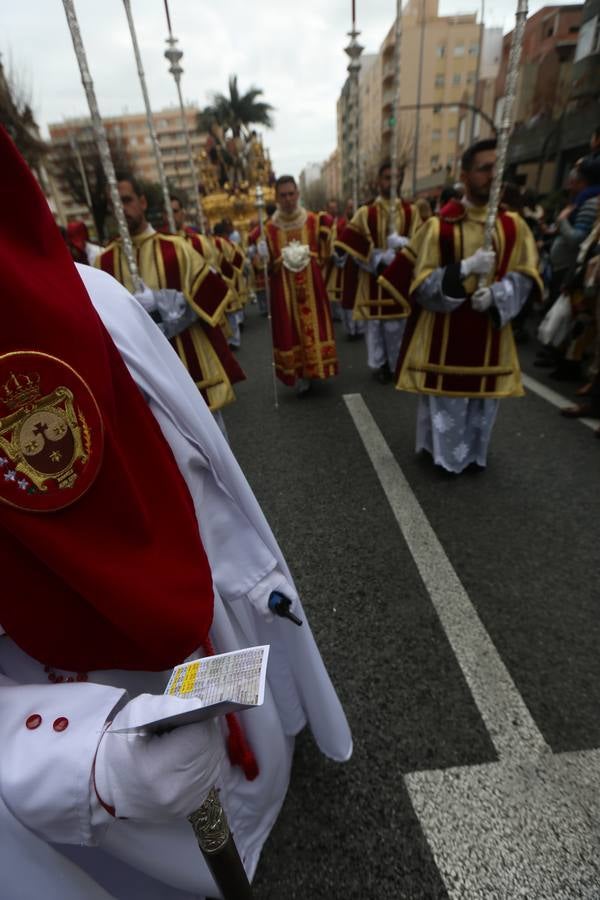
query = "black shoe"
{"x": 303, "y": 387}
{"x": 567, "y": 370}
{"x": 521, "y": 336}
{"x": 383, "y": 374}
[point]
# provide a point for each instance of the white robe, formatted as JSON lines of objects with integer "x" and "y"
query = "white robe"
{"x": 45, "y": 810}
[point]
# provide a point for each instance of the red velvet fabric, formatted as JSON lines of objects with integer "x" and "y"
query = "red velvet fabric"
{"x": 118, "y": 579}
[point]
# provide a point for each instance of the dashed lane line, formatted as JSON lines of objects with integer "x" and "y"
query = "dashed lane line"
{"x": 554, "y": 398}
{"x": 507, "y": 719}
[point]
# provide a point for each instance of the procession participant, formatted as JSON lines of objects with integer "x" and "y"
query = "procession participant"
{"x": 168, "y": 261}
{"x": 303, "y": 338}
{"x": 134, "y": 544}
{"x": 201, "y": 243}
{"x": 459, "y": 353}
{"x": 230, "y": 261}
{"x": 342, "y": 280}
{"x": 78, "y": 241}
{"x": 256, "y": 263}
{"x": 368, "y": 241}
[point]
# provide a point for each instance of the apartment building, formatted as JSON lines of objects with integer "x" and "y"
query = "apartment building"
{"x": 438, "y": 69}
{"x": 546, "y": 139}
{"x": 129, "y": 134}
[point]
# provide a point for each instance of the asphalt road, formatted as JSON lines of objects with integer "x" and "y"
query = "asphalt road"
{"x": 521, "y": 538}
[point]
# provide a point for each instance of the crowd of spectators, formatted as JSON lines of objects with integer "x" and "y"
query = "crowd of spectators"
{"x": 569, "y": 333}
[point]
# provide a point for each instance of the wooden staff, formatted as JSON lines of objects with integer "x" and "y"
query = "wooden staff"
{"x": 153, "y": 136}
{"x": 102, "y": 142}
{"x": 260, "y": 205}
{"x": 505, "y": 127}
{"x": 393, "y": 219}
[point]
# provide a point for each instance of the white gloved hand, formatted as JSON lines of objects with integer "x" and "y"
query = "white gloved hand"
{"x": 260, "y": 593}
{"x": 152, "y": 777}
{"x": 262, "y": 248}
{"x": 481, "y": 263}
{"x": 482, "y": 299}
{"x": 387, "y": 257}
{"x": 145, "y": 297}
{"x": 396, "y": 241}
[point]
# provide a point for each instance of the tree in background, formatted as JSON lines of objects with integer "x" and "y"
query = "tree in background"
{"x": 77, "y": 164}
{"x": 17, "y": 118}
{"x": 228, "y": 121}
{"x": 237, "y": 112}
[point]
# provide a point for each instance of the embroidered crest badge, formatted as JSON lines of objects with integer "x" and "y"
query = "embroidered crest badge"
{"x": 51, "y": 432}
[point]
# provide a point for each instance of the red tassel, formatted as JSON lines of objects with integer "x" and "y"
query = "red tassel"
{"x": 238, "y": 748}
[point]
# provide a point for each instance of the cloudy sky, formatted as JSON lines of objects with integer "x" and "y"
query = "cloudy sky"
{"x": 292, "y": 49}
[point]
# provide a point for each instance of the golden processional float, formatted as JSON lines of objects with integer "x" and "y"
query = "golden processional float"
{"x": 230, "y": 169}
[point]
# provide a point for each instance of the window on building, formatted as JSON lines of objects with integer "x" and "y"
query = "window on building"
{"x": 440, "y": 81}
{"x": 474, "y": 49}
{"x": 440, "y": 51}
{"x": 436, "y": 134}
{"x": 471, "y": 77}
{"x": 450, "y": 162}
{"x": 434, "y": 161}
{"x": 456, "y": 78}
{"x": 462, "y": 132}
{"x": 459, "y": 50}
{"x": 452, "y": 134}
{"x": 588, "y": 41}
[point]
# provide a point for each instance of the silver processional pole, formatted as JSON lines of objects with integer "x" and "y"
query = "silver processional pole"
{"x": 153, "y": 136}
{"x": 354, "y": 51}
{"x": 174, "y": 55}
{"x": 102, "y": 142}
{"x": 393, "y": 219}
{"x": 260, "y": 205}
{"x": 209, "y": 822}
{"x": 505, "y": 126}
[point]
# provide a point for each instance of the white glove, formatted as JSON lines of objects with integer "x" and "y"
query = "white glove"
{"x": 387, "y": 257}
{"x": 481, "y": 263}
{"x": 260, "y": 593}
{"x": 396, "y": 241}
{"x": 153, "y": 777}
{"x": 263, "y": 250}
{"x": 482, "y": 299}
{"x": 145, "y": 297}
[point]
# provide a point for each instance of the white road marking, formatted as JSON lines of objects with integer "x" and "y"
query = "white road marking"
{"x": 555, "y": 398}
{"x": 528, "y": 825}
{"x": 508, "y": 721}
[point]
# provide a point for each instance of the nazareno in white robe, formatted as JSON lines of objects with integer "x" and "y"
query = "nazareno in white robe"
{"x": 52, "y": 844}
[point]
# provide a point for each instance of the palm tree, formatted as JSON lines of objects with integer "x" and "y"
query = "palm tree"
{"x": 236, "y": 112}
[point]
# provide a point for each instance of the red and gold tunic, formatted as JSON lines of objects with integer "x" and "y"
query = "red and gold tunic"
{"x": 334, "y": 275}
{"x": 368, "y": 231}
{"x": 462, "y": 353}
{"x": 168, "y": 261}
{"x": 303, "y": 336}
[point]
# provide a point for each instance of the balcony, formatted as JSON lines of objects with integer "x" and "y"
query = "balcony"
{"x": 387, "y": 98}
{"x": 552, "y": 137}
{"x": 387, "y": 71}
